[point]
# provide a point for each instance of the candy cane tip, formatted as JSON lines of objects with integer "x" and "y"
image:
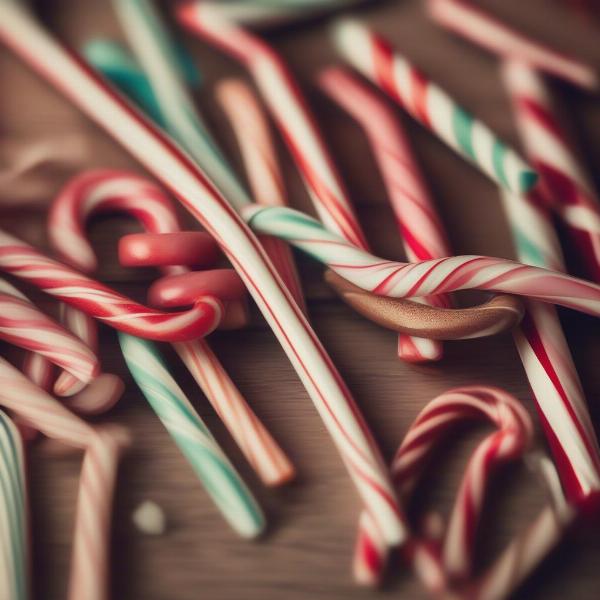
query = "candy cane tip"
{"x": 67, "y": 385}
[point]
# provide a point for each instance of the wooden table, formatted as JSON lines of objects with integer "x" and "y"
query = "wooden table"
{"x": 308, "y": 548}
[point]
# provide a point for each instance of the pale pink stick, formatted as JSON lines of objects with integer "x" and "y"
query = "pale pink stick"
{"x": 471, "y": 22}
{"x": 23, "y": 325}
{"x": 90, "y": 561}
{"x": 289, "y": 110}
{"x": 40, "y": 410}
{"x": 426, "y": 432}
{"x": 120, "y": 191}
{"x": 264, "y": 175}
{"x": 549, "y": 148}
{"x": 421, "y": 230}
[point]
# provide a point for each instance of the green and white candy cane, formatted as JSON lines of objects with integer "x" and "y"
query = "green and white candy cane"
{"x": 157, "y": 54}
{"x": 14, "y": 535}
{"x": 221, "y": 480}
{"x": 425, "y": 278}
{"x": 431, "y": 106}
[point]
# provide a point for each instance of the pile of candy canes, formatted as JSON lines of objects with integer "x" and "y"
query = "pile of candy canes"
{"x": 142, "y": 99}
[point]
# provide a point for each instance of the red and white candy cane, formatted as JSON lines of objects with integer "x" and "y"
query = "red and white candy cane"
{"x": 92, "y": 297}
{"x": 421, "y": 230}
{"x": 469, "y": 21}
{"x": 290, "y": 112}
{"x": 24, "y": 325}
{"x": 514, "y": 433}
{"x": 102, "y": 191}
{"x": 155, "y": 150}
{"x": 90, "y": 556}
{"x": 562, "y": 179}
{"x": 264, "y": 175}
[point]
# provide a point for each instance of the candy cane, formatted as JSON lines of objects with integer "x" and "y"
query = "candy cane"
{"x": 40, "y": 410}
{"x": 548, "y": 146}
{"x": 431, "y": 425}
{"x": 471, "y": 22}
{"x": 421, "y": 230}
{"x": 98, "y": 191}
{"x": 90, "y": 559}
{"x": 25, "y": 262}
{"x": 14, "y": 534}
{"x": 219, "y": 476}
{"x": 425, "y": 278}
{"x": 20, "y": 31}
{"x": 262, "y": 169}
{"x": 289, "y": 110}
{"x": 22, "y": 324}
{"x": 431, "y": 106}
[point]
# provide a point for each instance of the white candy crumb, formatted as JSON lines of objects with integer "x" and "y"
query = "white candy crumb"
{"x": 149, "y": 518}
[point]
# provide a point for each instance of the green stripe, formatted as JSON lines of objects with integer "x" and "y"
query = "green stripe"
{"x": 498, "y": 155}
{"x": 462, "y": 124}
{"x": 528, "y": 251}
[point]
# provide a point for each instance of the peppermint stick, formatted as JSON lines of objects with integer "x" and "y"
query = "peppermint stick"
{"x": 474, "y": 24}
{"x": 155, "y": 150}
{"x": 514, "y": 434}
{"x": 251, "y": 129}
{"x": 14, "y": 511}
{"x": 425, "y": 278}
{"x": 562, "y": 179}
{"x": 90, "y": 560}
{"x": 101, "y": 190}
{"x": 421, "y": 230}
{"x": 431, "y": 106}
{"x": 289, "y": 110}
{"x": 94, "y": 298}
{"x": 218, "y": 475}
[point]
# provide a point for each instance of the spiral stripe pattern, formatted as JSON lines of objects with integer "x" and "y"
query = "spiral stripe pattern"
{"x": 431, "y": 106}
{"x": 195, "y": 441}
{"x": 14, "y": 527}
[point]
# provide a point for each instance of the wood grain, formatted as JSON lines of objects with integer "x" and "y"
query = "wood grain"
{"x": 308, "y": 548}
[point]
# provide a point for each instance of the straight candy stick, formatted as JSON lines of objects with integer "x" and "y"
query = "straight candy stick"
{"x": 218, "y": 475}
{"x": 90, "y": 562}
{"x": 20, "y": 31}
{"x": 106, "y": 190}
{"x": 251, "y": 129}
{"x": 476, "y": 25}
{"x": 421, "y": 230}
{"x": 562, "y": 179}
{"x": 425, "y": 278}
{"x": 14, "y": 510}
{"x": 289, "y": 110}
{"x": 431, "y": 106}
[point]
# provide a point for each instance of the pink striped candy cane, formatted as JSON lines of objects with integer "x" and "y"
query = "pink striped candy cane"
{"x": 25, "y": 262}
{"x": 562, "y": 178}
{"x": 471, "y": 22}
{"x": 90, "y": 561}
{"x": 40, "y": 410}
{"x": 23, "y": 325}
{"x": 514, "y": 433}
{"x": 264, "y": 175}
{"x": 155, "y": 150}
{"x": 289, "y": 111}
{"x": 102, "y": 191}
{"x": 421, "y": 230}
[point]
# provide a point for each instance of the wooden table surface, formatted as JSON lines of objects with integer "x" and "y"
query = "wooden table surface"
{"x": 308, "y": 547}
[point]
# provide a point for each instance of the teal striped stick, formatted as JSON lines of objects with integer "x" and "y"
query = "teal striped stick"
{"x": 221, "y": 480}
{"x": 156, "y": 53}
{"x": 14, "y": 535}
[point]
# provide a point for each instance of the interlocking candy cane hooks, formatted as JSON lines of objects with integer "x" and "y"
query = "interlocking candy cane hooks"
{"x": 118, "y": 191}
